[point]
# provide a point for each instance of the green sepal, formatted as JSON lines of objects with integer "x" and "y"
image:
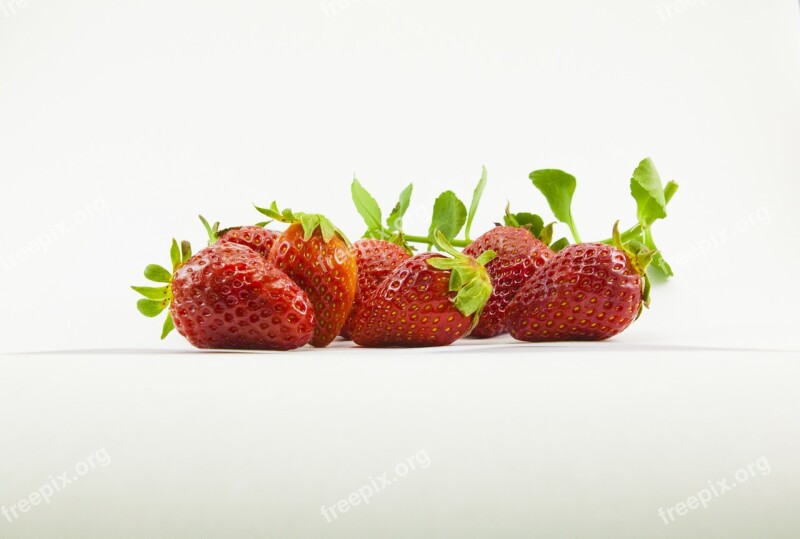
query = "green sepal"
{"x": 309, "y": 221}
{"x": 486, "y": 257}
{"x": 559, "y": 245}
{"x": 186, "y": 251}
{"x": 157, "y": 293}
{"x": 211, "y": 230}
{"x": 468, "y": 277}
{"x": 168, "y": 326}
{"x": 531, "y": 221}
{"x": 156, "y": 299}
{"x": 640, "y": 256}
{"x": 476, "y": 199}
{"x": 157, "y": 274}
{"x": 175, "y": 255}
{"x": 151, "y": 307}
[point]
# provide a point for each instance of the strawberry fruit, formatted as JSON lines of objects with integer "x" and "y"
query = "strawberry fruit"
{"x": 318, "y": 257}
{"x": 228, "y": 296}
{"x": 428, "y": 300}
{"x": 519, "y": 256}
{"x": 255, "y": 237}
{"x": 586, "y": 292}
{"x": 375, "y": 260}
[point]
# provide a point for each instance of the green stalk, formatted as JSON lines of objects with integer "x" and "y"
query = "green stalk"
{"x": 429, "y": 241}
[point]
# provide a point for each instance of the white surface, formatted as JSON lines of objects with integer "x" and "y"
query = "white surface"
{"x": 568, "y": 441}
{"x": 121, "y": 121}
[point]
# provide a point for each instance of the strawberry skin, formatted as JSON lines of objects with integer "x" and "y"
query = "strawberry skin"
{"x": 412, "y": 307}
{"x": 228, "y": 296}
{"x": 375, "y": 260}
{"x": 257, "y": 238}
{"x": 519, "y": 256}
{"x": 326, "y": 270}
{"x": 586, "y": 292}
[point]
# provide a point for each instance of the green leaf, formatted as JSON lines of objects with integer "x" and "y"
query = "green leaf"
{"x": 169, "y": 325}
{"x": 449, "y": 215}
{"x": 476, "y": 199}
{"x": 646, "y": 189}
{"x": 158, "y": 293}
{"x": 151, "y": 307}
{"x": 395, "y": 219}
{"x": 558, "y": 187}
{"x": 158, "y": 274}
{"x": 366, "y": 206}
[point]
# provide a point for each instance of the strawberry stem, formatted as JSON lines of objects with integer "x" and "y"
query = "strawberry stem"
{"x": 427, "y": 240}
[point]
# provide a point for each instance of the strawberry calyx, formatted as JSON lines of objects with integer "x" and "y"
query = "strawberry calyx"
{"x": 640, "y": 256}
{"x": 468, "y": 277}
{"x": 535, "y": 225}
{"x": 309, "y": 221}
{"x": 158, "y": 298}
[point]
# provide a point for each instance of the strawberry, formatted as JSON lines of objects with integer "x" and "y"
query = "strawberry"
{"x": 228, "y": 296}
{"x": 255, "y": 237}
{"x": 318, "y": 257}
{"x": 428, "y": 300}
{"x": 586, "y": 292}
{"x": 375, "y": 260}
{"x": 519, "y": 256}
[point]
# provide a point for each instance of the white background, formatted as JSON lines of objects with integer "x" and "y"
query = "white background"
{"x": 121, "y": 121}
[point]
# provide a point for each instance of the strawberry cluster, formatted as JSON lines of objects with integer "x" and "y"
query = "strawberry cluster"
{"x": 257, "y": 288}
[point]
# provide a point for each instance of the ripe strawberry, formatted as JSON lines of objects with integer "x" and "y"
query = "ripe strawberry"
{"x": 586, "y": 292}
{"x": 256, "y": 237}
{"x": 428, "y": 300}
{"x": 318, "y": 257}
{"x": 375, "y": 260}
{"x": 519, "y": 256}
{"x": 229, "y": 296}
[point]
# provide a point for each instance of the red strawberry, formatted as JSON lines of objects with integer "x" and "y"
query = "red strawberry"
{"x": 229, "y": 296}
{"x": 586, "y": 292}
{"x": 428, "y": 300}
{"x": 317, "y": 256}
{"x": 519, "y": 256}
{"x": 375, "y": 260}
{"x": 257, "y": 238}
